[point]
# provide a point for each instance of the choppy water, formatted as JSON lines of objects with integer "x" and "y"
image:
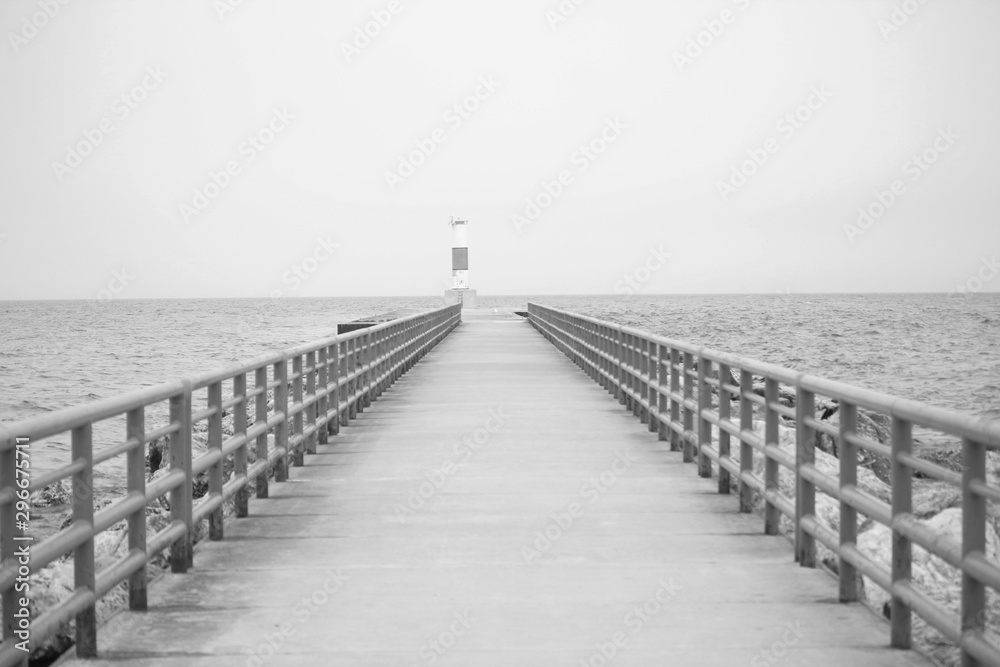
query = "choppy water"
{"x": 937, "y": 348}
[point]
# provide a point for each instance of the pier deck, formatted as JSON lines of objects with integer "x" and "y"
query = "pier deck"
{"x": 645, "y": 564}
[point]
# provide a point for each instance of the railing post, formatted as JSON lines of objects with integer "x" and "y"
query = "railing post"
{"x": 725, "y": 407}
{"x": 772, "y": 515}
{"x": 704, "y": 426}
{"x": 398, "y": 351}
{"x": 377, "y": 365}
{"x": 344, "y": 385}
{"x": 675, "y": 408}
{"x": 367, "y": 359}
{"x": 280, "y": 373}
{"x": 241, "y": 500}
{"x": 642, "y": 378}
{"x": 631, "y": 375}
{"x": 620, "y": 366}
{"x": 334, "y": 379}
{"x": 352, "y": 371}
{"x": 323, "y": 403}
{"x": 973, "y": 541}
{"x": 688, "y": 412}
{"x": 746, "y": 450}
{"x": 84, "y": 574}
{"x": 605, "y": 348}
{"x": 407, "y": 346}
{"x": 388, "y": 355}
{"x": 902, "y": 505}
{"x": 215, "y": 527}
{"x": 181, "y": 552}
{"x": 663, "y": 380}
{"x": 310, "y": 443}
{"x": 395, "y": 342}
{"x": 392, "y": 342}
{"x": 296, "y": 421}
{"x": 260, "y": 416}
{"x": 626, "y": 368}
{"x": 374, "y": 348}
{"x": 805, "y": 491}
{"x": 634, "y": 379}
{"x": 588, "y": 346}
{"x": 136, "y": 472}
{"x": 848, "y": 515}
{"x": 652, "y": 395}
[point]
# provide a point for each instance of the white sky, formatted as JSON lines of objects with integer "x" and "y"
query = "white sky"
{"x": 656, "y": 186}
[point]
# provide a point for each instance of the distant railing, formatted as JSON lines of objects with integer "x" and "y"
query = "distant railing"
{"x": 332, "y": 380}
{"x": 670, "y": 384}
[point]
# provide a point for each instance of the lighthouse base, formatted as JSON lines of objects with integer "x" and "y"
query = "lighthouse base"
{"x": 466, "y": 297}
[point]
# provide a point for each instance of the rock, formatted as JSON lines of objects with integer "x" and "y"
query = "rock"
{"x": 155, "y": 458}
{"x": 59, "y": 493}
{"x": 942, "y": 451}
{"x": 936, "y": 503}
{"x": 938, "y": 580}
{"x": 870, "y": 426}
{"x": 931, "y": 498}
{"x": 785, "y": 396}
{"x": 55, "y": 581}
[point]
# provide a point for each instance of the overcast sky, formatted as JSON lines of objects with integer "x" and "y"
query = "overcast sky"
{"x": 191, "y": 148}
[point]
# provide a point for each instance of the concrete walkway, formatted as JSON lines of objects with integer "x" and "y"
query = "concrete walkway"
{"x": 562, "y": 533}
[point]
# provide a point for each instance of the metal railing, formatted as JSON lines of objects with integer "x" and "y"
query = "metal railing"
{"x": 673, "y": 387}
{"x": 330, "y": 382}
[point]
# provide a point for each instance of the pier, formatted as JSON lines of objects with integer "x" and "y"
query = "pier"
{"x": 463, "y": 487}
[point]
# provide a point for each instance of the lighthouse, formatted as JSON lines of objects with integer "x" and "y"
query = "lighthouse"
{"x": 460, "y": 292}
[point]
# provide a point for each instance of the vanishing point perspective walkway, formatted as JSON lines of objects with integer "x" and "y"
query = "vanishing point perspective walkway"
{"x": 495, "y": 507}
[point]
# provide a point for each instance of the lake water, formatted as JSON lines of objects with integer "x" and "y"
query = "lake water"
{"x": 942, "y": 349}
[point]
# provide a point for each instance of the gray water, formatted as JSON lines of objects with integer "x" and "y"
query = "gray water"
{"x": 942, "y": 349}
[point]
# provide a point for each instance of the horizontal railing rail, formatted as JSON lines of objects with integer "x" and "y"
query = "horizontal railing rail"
{"x": 686, "y": 393}
{"x": 315, "y": 389}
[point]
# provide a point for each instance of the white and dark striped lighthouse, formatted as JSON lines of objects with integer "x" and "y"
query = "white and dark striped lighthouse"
{"x": 459, "y": 254}
{"x": 460, "y": 291}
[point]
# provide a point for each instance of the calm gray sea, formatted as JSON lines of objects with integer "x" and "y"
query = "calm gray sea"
{"x": 939, "y": 348}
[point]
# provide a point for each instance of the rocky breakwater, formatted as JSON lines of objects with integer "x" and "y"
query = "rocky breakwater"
{"x": 935, "y": 503}
{"x": 54, "y": 583}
